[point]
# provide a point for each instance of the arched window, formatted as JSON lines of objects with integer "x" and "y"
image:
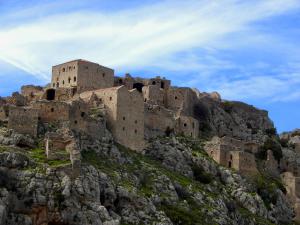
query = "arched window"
{"x": 69, "y": 79}
{"x": 64, "y": 69}
{"x": 153, "y": 82}
{"x": 103, "y": 74}
{"x": 74, "y": 79}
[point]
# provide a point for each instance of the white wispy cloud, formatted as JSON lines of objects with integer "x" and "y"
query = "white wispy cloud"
{"x": 138, "y": 37}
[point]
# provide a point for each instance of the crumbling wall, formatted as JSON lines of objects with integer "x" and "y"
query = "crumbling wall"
{"x": 4, "y": 112}
{"x": 125, "y": 114}
{"x": 52, "y": 111}
{"x": 32, "y": 92}
{"x": 23, "y": 120}
{"x": 159, "y": 121}
{"x": 16, "y": 99}
{"x": 154, "y": 95}
{"x": 188, "y": 126}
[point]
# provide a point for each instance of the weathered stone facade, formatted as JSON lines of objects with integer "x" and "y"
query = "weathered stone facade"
{"x": 125, "y": 114}
{"x": 83, "y": 75}
{"x": 23, "y": 120}
{"x": 231, "y": 153}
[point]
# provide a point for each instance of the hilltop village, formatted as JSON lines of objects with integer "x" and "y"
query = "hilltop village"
{"x": 86, "y": 102}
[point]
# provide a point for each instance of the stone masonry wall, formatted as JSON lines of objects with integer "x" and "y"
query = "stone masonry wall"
{"x": 23, "y": 120}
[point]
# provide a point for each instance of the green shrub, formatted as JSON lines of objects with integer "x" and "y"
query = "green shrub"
{"x": 182, "y": 216}
{"x": 200, "y": 175}
{"x": 272, "y": 145}
{"x": 227, "y": 106}
{"x": 271, "y": 131}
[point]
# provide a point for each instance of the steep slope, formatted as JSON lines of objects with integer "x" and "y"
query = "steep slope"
{"x": 173, "y": 182}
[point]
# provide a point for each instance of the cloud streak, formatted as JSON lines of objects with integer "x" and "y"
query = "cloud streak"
{"x": 140, "y": 37}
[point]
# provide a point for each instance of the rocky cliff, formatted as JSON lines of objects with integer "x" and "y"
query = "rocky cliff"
{"x": 172, "y": 182}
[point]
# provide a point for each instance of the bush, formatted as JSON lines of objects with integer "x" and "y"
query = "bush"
{"x": 272, "y": 145}
{"x": 182, "y": 216}
{"x": 227, "y": 106}
{"x": 200, "y": 175}
{"x": 271, "y": 131}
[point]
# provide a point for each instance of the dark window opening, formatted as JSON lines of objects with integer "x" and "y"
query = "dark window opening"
{"x": 135, "y": 131}
{"x": 153, "y": 82}
{"x": 229, "y": 164}
{"x": 231, "y": 157}
{"x": 103, "y": 74}
{"x": 75, "y": 122}
{"x": 110, "y": 98}
{"x": 145, "y": 100}
{"x": 50, "y": 94}
{"x": 70, "y": 68}
{"x": 74, "y": 79}
{"x": 52, "y": 109}
{"x": 175, "y": 97}
{"x": 138, "y": 86}
{"x": 123, "y": 128}
{"x": 63, "y": 69}
{"x": 135, "y": 122}
{"x": 120, "y": 81}
{"x": 162, "y": 85}
{"x": 185, "y": 125}
{"x": 82, "y": 114}
{"x": 123, "y": 117}
{"x": 63, "y": 82}
{"x": 168, "y": 131}
{"x": 69, "y": 79}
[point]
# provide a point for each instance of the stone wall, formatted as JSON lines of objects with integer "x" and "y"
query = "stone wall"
{"x": 244, "y": 162}
{"x": 125, "y": 114}
{"x": 52, "y": 111}
{"x": 188, "y": 126}
{"x": 159, "y": 121}
{"x": 82, "y": 74}
{"x": 154, "y": 95}
{"x": 4, "y": 111}
{"x": 16, "y": 99}
{"x": 23, "y": 120}
{"x": 32, "y": 92}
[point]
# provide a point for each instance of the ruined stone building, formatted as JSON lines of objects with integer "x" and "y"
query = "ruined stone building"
{"x": 232, "y": 153}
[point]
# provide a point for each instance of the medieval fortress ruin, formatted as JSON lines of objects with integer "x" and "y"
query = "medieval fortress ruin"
{"x": 85, "y": 101}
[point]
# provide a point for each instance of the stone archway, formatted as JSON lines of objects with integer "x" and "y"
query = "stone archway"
{"x": 50, "y": 94}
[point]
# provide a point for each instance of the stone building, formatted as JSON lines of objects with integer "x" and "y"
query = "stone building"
{"x": 231, "y": 153}
{"x": 23, "y": 120}
{"x": 154, "y": 95}
{"x": 125, "y": 114}
{"x": 4, "y": 112}
{"x": 159, "y": 121}
{"x": 187, "y": 126}
{"x": 32, "y": 92}
{"x": 292, "y": 185}
{"x": 138, "y": 83}
{"x": 82, "y": 74}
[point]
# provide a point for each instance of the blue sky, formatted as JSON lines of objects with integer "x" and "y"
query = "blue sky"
{"x": 246, "y": 50}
